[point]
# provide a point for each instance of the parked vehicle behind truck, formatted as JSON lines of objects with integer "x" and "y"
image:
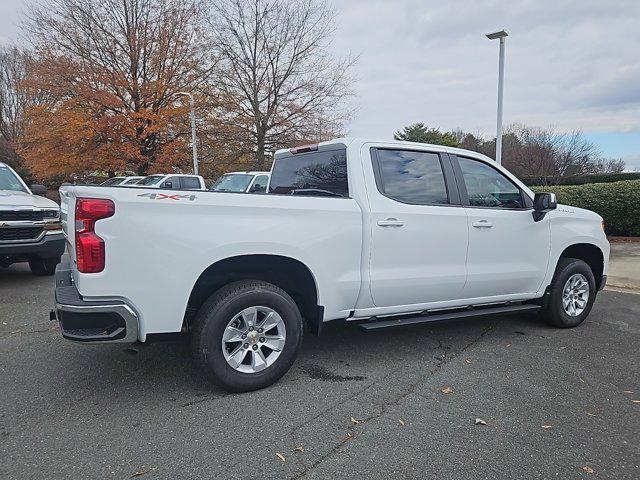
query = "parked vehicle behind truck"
{"x": 242, "y": 182}
{"x": 380, "y": 233}
{"x": 175, "y": 181}
{"x": 30, "y": 228}
{"x": 118, "y": 181}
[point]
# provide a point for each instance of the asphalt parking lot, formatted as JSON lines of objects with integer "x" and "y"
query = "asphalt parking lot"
{"x": 556, "y": 403}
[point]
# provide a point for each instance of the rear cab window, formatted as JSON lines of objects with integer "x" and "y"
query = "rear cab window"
{"x": 321, "y": 172}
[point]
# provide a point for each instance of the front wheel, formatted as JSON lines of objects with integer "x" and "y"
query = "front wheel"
{"x": 247, "y": 335}
{"x": 43, "y": 266}
{"x": 572, "y": 293}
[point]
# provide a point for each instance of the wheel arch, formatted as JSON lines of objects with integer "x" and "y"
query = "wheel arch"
{"x": 290, "y": 274}
{"x": 589, "y": 253}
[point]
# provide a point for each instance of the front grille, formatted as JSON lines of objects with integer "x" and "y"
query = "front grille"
{"x": 23, "y": 233}
{"x": 21, "y": 215}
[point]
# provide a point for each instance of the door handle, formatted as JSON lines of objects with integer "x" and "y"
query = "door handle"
{"x": 390, "y": 222}
{"x": 482, "y": 224}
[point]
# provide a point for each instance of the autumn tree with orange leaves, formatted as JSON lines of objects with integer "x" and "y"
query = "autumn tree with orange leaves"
{"x": 111, "y": 70}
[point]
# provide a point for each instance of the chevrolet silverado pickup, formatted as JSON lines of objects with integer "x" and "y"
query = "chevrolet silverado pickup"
{"x": 384, "y": 234}
{"x": 30, "y": 228}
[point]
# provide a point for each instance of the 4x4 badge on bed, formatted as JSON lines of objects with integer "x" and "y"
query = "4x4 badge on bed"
{"x": 164, "y": 196}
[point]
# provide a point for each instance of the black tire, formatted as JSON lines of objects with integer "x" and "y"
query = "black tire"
{"x": 43, "y": 266}
{"x": 214, "y": 316}
{"x": 554, "y": 314}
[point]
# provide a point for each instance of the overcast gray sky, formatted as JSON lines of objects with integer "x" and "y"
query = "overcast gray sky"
{"x": 571, "y": 64}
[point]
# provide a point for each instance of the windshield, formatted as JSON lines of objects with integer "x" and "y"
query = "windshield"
{"x": 232, "y": 182}
{"x": 9, "y": 181}
{"x": 112, "y": 181}
{"x": 133, "y": 180}
{"x": 151, "y": 180}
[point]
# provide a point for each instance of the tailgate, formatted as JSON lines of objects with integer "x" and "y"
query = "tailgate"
{"x": 67, "y": 210}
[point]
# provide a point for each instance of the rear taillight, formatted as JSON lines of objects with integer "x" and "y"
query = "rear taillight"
{"x": 89, "y": 246}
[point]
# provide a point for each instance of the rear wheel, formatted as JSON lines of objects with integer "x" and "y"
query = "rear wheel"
{"x": 43, "y": 266}
{"x": 247, "y": 335}
{"x": 572, "y": 293}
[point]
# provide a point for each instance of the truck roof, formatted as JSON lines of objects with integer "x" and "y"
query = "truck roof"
{"x": 350, "y": 141}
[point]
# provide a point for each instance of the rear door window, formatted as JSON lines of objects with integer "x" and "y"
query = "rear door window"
{"x": 190, "y": 183}
{"x": 320, "y": 173}
{"x": 410, "y": 176}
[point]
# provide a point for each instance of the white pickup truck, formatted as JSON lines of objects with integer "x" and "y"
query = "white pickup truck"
{"x": 380, "y": 233}
{"x": 29, "y": 225}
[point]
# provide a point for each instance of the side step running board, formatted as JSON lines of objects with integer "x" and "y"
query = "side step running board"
{"x": 438, "y": 317}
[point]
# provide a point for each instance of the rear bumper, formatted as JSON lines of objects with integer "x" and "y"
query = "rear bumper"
{"x": 51, "y": 246}
{"x": 91, "y": 321}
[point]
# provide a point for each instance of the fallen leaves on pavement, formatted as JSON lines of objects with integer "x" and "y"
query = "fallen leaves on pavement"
{"x": 635, "y": 401}
{"x": 140, "y": 473}
{"x": 588, "y": 469}
{"x": 468, "y": 361}
{"x": 592, "y": 414}
{"x": 348, "y": 436}
{"x": 355, "y": 421}
{"x": 628, "y": 392}
{"x": 299, "y": 449}
{"x": 281, "y": 457}
{"x": 401, "y": 422}
{"x": 479, "y": 421}
{"x": 446, "y": 390}
{"x": 547, "y": 426}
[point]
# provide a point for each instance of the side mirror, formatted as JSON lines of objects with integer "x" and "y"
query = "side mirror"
{"x": 542, "y": 204}
{"x": 167, "y": 184}
{"x": 37, "y": 189}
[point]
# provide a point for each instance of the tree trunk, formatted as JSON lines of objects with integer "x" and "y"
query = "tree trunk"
{"x": 260, "y": 149}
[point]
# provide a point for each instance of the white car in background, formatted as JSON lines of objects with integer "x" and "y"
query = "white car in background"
{"x": 242, "y": 182}
{"x": 174, "y": 181}
{"x": 116, "y": 181}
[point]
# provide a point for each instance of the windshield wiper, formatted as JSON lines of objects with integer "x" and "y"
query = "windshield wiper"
{"x": 314, "y": 191}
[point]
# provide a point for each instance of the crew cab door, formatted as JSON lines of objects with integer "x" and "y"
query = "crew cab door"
{"x": 419, "y": 230}
{"x": 508, "y": 250}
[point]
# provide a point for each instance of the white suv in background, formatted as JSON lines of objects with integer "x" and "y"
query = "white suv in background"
{"x": 174, "y": 181}
{"x": 242, "y": 182}
{"x": 30, "y": 228}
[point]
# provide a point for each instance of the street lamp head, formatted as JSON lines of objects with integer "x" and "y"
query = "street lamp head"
{"x": 496, "y": 35}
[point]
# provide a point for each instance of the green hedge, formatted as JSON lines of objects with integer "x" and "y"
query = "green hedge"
{"x": 617, "y": 202}
{"x": 582, "y": 179}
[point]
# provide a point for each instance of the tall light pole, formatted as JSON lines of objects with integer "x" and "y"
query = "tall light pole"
{"x": 493, "y": 36}
{"x": 194, "y": 147}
